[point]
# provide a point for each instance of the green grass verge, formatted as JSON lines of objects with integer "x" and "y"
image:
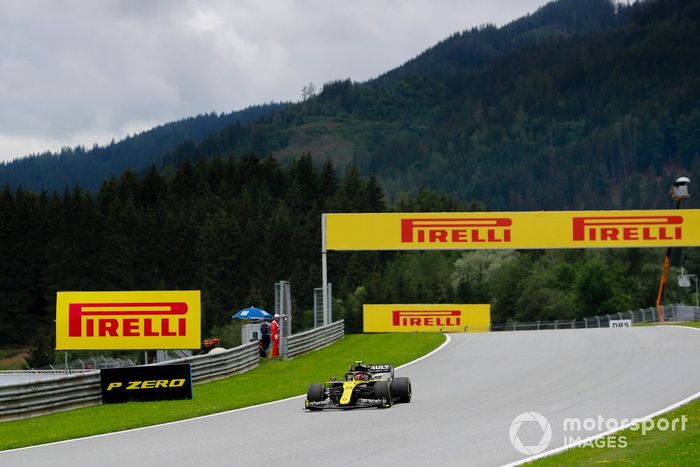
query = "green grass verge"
{"x": 656, "y": 447}
{"x": 271, "y": 381}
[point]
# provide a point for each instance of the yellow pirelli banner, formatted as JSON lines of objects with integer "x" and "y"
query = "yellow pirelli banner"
{"x": 128, "y": 320}
{"x": 512, "y": 230}
{"x": 426, "y": 318}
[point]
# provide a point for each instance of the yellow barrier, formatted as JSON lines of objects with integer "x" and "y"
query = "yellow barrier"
{"x": 426, "y": 318}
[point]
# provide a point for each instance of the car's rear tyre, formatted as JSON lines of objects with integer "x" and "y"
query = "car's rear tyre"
{"x": 382, "y": 391}
{"x": 315, "y": 393}
{"x": 401, "y": 389}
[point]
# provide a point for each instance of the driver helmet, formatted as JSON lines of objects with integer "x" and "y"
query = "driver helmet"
{"x": 361, "y": 376}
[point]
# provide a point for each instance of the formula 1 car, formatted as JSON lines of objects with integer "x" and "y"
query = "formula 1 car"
{"x": 364, "y": 385}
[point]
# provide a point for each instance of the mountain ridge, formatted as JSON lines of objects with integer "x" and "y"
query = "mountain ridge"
{"x": 90, "y": 167}
{"x": 585, "y": 104}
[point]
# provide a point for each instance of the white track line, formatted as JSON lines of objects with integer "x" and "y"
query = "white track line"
{"x": 590, "y": 439}
{"x": 176, "y": 422}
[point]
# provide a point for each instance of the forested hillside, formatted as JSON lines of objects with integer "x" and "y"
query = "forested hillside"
{"x": 473, "y": 49}
{"x": 228, "y": 228}
{"x": 88, "y": 168}
{"x": 536, "y": 115}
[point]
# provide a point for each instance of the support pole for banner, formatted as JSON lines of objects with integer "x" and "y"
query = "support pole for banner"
{"x": 324, "y": 270}
{"x": 679, "y": 192}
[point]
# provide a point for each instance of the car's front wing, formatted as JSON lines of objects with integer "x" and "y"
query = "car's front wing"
{"x": 359, "y": 403}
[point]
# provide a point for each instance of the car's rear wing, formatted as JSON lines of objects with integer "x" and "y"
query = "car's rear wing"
{"x": 383, "y": 371}
{"x": 380, "y": 368}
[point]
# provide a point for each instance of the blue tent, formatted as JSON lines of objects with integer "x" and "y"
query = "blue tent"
{"x": 252, "y": 313}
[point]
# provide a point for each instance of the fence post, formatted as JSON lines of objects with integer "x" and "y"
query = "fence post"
{"x": 597, "y": 318}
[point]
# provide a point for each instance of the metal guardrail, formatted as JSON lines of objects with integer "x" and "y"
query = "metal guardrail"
{"x": 643, "y": 315}
{"x": 41, "y": 397}
{"x": 47, "y": 396}
{"x": 317, "y": 338}
{"x": 26, "y": 400}
{"x": 221, "y": 365}
{"x": 44, "y": 372}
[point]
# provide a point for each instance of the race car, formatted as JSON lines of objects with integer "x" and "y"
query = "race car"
{"x": 364, "y": 385}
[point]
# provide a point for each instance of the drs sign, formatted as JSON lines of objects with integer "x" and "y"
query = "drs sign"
{"x": 426, "y": 318}
{"x": 128, "y": 320}
{"x": 620, "y": 323}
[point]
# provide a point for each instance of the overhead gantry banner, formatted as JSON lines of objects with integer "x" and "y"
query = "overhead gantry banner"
{"x": 511, "y": 230}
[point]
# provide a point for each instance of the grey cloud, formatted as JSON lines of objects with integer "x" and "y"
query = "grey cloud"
{"x": 71, "y": 69}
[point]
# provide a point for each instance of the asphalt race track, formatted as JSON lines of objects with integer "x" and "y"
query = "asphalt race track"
{"x": 465, "y": 398}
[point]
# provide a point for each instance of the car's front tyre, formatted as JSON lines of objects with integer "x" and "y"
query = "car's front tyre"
{"x": 401, "y": 389}
{"x": 315, "y": 393}
{"x": 383, "y": 391}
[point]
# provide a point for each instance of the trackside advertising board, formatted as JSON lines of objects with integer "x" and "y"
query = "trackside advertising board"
{"x": 511, "y": 230}
{"x": 128, "y": 320}
{"x": 146, "y": 383}
{"x": 426, "y": 318}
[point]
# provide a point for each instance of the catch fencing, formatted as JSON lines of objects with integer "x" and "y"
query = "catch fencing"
{"x": 91, "y": 364}
{"x": 674, "y": 312}
{"x": 26, "y": 400}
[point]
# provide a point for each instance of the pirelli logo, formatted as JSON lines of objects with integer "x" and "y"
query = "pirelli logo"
{"x": 427, "y": 318}
{"x": 128, "y": 320}
{"x": 456, "y": 230}
{"x": 629, "y": 228}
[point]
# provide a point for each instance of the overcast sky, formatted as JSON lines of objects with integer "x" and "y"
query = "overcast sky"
{"x": 86, "y": 71}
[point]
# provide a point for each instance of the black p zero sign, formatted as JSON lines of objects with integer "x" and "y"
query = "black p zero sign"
{"x": 146, "y": 383}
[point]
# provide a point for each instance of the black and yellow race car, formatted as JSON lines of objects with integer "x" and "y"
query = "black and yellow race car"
{"x": 364, "y": 385}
